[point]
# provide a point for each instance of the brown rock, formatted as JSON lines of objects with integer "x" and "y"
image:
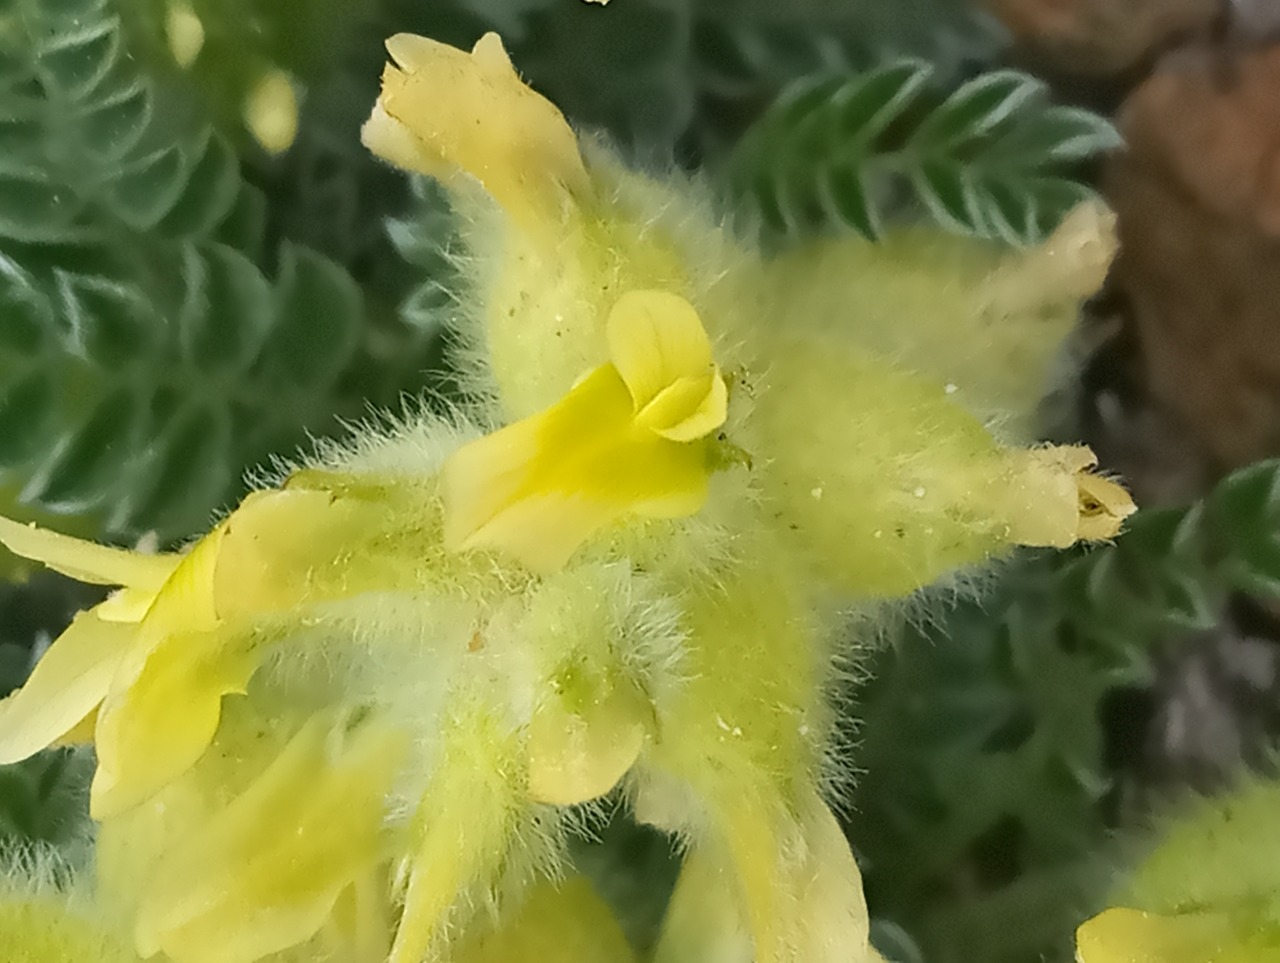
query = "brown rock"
{"x": 1198, "y": 198}
{"x": 1102, "y": 37}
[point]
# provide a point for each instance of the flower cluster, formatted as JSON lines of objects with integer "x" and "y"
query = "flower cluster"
{"x": 360, "y": 718}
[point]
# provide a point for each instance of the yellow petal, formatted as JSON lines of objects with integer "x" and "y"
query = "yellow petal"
{"x": 126, "y": 605}
{"x": 81, "y": 734}
{"x": 755, "y": 844}
{"x": 796, "y": 890}
{"x": 186, "y": 600}
{"x": 1125, "y": 935}
{"x": 558, "y": 923}
{"x": 159, "y": 726}
{"x": 165, "y": 700}
{"x": 1069, "y": 266}
{"x": 443, "y": 110}
{"x": 688, "y": 409}
{"x": 276, "y": 552}
{"x": 538, "y": 489}
{"x": 265, "y": 873}
{"x": 576, "y": 757}
{"x": 1104, "y": 505}
{"x": 396, "y": 144}
{"x": 66, "y": 686}
{"x": 704, "y": 922}
{"x": 655, "y": 339}
{"x": 86, "y": 561}
{"x": 835, "y": 909}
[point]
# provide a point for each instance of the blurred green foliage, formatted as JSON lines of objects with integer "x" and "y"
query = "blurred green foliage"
{"x": 45, "y": 799}
{"x": 156, "y": 341}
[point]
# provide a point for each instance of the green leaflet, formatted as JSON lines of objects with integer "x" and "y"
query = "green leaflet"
{"x": 992, "y": 159}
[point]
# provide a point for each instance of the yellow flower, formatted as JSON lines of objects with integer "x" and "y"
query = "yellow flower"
{"x": 444, "y": 112}
{"x": 284, "y": 850}
{"x": 1055, "y": 499}
{"x": 629, "y": 439}
{"x": 150, "y": 666}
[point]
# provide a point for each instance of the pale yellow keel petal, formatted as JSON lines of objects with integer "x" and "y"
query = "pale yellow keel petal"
{"x": 577, "y": 757}
{"x": 542, "y": 532}
{"x": 395, "y": 143}
{"x": 1104, "y": 505}
{"x": 1070, "y": 265}
{"x": 1054, "y": 499}
{"x": 87, "y": 561}
{"x": 186, "y": 601}
{"x": 361, "y": 925}
{"x": 267, "y": 871}
{"x": 65, "y": 687}
{"x": 756, "y": 850}
{"x": 837, "y": 927}
{"x": 794, "y": 892}
{"x": 81, "y": 734}
{"x": 704, "y": 922}
{"x": 732, "y": 902}
{"x": 126, "y": 605}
